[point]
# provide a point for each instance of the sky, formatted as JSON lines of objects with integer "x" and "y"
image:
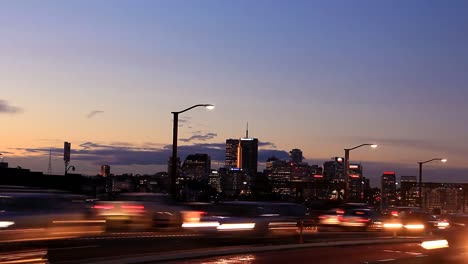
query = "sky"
{"x": 321, "y": 76}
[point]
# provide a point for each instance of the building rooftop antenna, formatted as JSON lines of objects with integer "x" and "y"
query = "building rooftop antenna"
{"x": 247, "y": 131}
{"x": 49, "y": 168}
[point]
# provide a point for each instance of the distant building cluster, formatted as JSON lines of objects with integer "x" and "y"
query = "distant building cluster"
{"x": 289, "y": 179}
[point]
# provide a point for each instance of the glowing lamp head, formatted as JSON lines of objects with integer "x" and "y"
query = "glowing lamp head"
{"x": 373, "y": 146}
{"x": 209, "y": 107}
{"x": 443, "y": 160}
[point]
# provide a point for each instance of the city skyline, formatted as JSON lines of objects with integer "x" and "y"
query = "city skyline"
{"x": 318, "y": 76}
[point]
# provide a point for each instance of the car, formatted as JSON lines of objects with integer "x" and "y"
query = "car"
{"x": 414, "y": 222}
{"x": 361, "y": 220}
{"x": 142, "y": 211}
{"x": 351, "y": 218}
{"x": 330, "y": 218}
{"x": 247, "y": 218}
{"x": 37, "y": 215}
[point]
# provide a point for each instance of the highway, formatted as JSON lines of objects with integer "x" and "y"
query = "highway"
{"x": 401, "y": 253}
{"x": 128, "y": 245}
{"x": 326, "y": 255}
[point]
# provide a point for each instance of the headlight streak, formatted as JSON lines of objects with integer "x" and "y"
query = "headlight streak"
{"x": 435, "y": 244}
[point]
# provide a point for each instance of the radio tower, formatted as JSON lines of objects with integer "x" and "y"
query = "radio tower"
{"x": 49, "y": 169}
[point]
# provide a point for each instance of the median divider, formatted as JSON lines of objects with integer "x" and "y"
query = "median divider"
{"x": 214, "y": 252}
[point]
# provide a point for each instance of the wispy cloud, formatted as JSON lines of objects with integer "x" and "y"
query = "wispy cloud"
{"x": 94, "y": 113}
{"x": 6, "y": 108}
{"x": 184, "y": 119}
{"x": 264, "y": 144}
{"x": 200, "y": 137}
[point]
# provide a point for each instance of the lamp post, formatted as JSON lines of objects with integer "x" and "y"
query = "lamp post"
{"x": 173, "y": 173}
{"x": 420, "y": 177}
{"x": 346, "y": 167}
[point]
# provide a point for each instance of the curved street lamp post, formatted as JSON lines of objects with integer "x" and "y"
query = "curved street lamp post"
{"x": 346, "y": 167}
{"x": 420, "y": 178}
{"x": 173, "y": 172}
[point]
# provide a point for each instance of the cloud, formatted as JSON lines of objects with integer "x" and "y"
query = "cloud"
{"x": 145, "y": 155}
{"x": 266, "y": 144}
{"x": 119, "y": 143}
{"x": 264, "y": 154}
{"x": 198, "y": 136}
{"x": 8, "y": 109}
{"x": 184, "y": 119}
{"x": 94, "y": 113}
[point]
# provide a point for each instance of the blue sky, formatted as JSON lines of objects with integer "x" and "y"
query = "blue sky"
{"x": 315, "y": 75}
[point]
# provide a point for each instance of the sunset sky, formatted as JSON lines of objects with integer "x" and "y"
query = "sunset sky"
{"x": 316, "y": 75}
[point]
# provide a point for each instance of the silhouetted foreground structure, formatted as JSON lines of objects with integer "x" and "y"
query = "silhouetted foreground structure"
{"x": 74, "y": 183}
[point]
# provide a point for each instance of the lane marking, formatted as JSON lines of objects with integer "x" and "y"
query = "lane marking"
{"x": 133, "y": 237}
{"x": 68, "y": 248}
{"x": 386, "y": 260}
{"x": 413, "y": 253}
{"x": 391, "y": 251}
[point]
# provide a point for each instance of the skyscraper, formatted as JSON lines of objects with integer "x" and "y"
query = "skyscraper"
{"x": 356, "y": 183}
{"x": 333, "y": 170}
{"x": 242, "y": 154}
{"x": 388, "y": 189}
{"x": 279, "y": 177}
{"x": 249, "y": 157}
{"x": 214, "y": 180}
{"x": 409, "y": 193}
{"x": 231, "y": 153}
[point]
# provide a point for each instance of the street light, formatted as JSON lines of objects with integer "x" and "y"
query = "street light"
{"x": 346, "y": 166}
{"x": 174, "y": 145}
{"x": 420, "y": 177}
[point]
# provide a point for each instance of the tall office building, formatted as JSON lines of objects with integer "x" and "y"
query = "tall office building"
{"x": 242, "y": 154}
{"x": 388, "y": 189}
{"x": 409, "y": 192}
{"x": 197, "y": 166}
{"x": 231, "y": 152}
{"x": 334, "y": 170}
{"x": 356, "y": 183}
{"x": 214, "y": 180}
{"x": 296, "y": 156}
{"x": 279, "y": 177}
